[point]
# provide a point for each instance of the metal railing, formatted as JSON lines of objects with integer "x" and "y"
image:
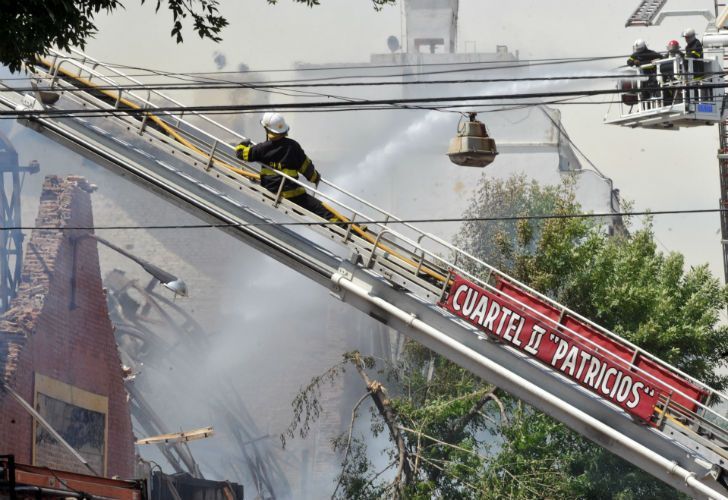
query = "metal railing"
{"x": 423, "y": 249}
{"x": 671, "y": 82}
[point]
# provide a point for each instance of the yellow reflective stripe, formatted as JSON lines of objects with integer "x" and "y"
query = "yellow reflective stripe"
{"x": 269, "y": 171}
{"x": 242, "y": 152}
{"x": 293, "y": 192}
{"x": 308, "y": 170}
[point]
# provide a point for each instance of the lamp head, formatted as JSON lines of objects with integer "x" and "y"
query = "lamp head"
{"x": 177, "y": 286}
{"x": 168, "y": 280}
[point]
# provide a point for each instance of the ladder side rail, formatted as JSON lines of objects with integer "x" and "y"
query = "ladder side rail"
{"x": 158, "y": 93}
{"x": 61, "y": 60}
{"x": 253, "y": 167}
{"x": 424, "y": 251}
{"x": 432, "y": 255}
{"x": 421, "y": 331}
{"x": 222, "y": 143}
{"x": 620, "y": 339}
{"x": 572, "y": 313}
{"x": 452, "y": 265}
{"x": 535, "y": 312}
{"x": 150, "y": 104}
{"x": 273, "y": 201}
{"x": 58, "y": 63}
{"x": 162, "y": 95}
{"x": 556, "y": 325}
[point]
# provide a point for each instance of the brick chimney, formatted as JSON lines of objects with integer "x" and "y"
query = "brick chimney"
{"x": 63, "y": 359}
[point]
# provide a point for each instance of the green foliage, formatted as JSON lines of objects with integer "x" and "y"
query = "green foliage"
{"x": 623, "y": 283}
{"x": 504, "y": 243}
{"x": 307, "y": 405}
{"x": 31, "y": 27}
{"x": 463, "y": 438}
{"x": 358, "y": 477}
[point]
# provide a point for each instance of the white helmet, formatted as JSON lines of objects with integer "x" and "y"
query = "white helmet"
{"x": 275, "y": 123}
{"x": 689, "y": 33}
{"x": 639, "y": 45}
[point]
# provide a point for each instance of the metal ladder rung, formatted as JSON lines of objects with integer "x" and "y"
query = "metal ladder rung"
{"x": 645, "y": 13}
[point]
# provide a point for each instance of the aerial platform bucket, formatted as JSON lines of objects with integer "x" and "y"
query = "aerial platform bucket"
{"x": 472, "y": 147}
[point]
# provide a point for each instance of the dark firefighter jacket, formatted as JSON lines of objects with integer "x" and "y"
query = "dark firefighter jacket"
{"x": 694, "y": 50}
{"x": 280, "y": 155}
{"x": 643, "y": 59}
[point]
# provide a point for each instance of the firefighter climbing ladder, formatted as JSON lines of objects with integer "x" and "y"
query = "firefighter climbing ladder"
{"x": 597, "y": 383}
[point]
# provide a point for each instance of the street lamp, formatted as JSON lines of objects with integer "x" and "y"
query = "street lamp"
{"x": 168, "y": 280}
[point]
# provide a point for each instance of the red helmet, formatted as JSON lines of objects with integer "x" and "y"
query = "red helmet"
{"x": 673, "y": 45}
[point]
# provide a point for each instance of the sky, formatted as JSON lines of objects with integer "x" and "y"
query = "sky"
{"x": 655, "y": 169}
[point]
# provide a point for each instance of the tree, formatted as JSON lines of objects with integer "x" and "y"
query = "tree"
{"x": 31, "y": 27}
{"x": 454, "y": 435}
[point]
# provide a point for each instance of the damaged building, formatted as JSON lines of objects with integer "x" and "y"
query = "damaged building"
{"x": 57, "y": 348}
{"x": 65, "y": 411}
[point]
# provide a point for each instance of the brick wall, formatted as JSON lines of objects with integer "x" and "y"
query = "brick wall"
{"x": 41, "y": 334}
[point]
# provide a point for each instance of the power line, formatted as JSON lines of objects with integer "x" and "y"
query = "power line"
{"x": 440, "y": 72}
{"x": 226, "y": 85}
{"x": 361, "y": 104}
{"x": 563, "y": 60}
{"x": 480, "y": 108}
{"x": 380, "y": 222}
{"x": 454, "y": 108}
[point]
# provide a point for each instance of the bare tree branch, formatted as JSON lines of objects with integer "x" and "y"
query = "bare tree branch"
{"x": 348, "y": 440}
{"x": 461, "y": 423}
{"x": 378, "y": 395}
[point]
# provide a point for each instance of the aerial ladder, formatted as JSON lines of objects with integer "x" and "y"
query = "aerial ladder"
{"x": 599, "y": 384}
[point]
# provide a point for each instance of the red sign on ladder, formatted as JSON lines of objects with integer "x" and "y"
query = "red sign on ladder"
{"x": 589, "y": 358}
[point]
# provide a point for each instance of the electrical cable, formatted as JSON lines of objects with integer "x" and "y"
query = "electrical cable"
{"x": 562, "y": 130}
{"x": 481, "y": 108}
{"x": 563, "y": 60}
{"x": 362, "y": 104}
{"x": 441, "y": 72}
{"x": 513, "y": 218}
{"x": 229, "y": 84}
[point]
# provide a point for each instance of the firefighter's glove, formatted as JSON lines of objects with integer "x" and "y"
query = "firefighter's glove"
{"x": 316, "y": 179}
{"x": 242, "y": 150}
